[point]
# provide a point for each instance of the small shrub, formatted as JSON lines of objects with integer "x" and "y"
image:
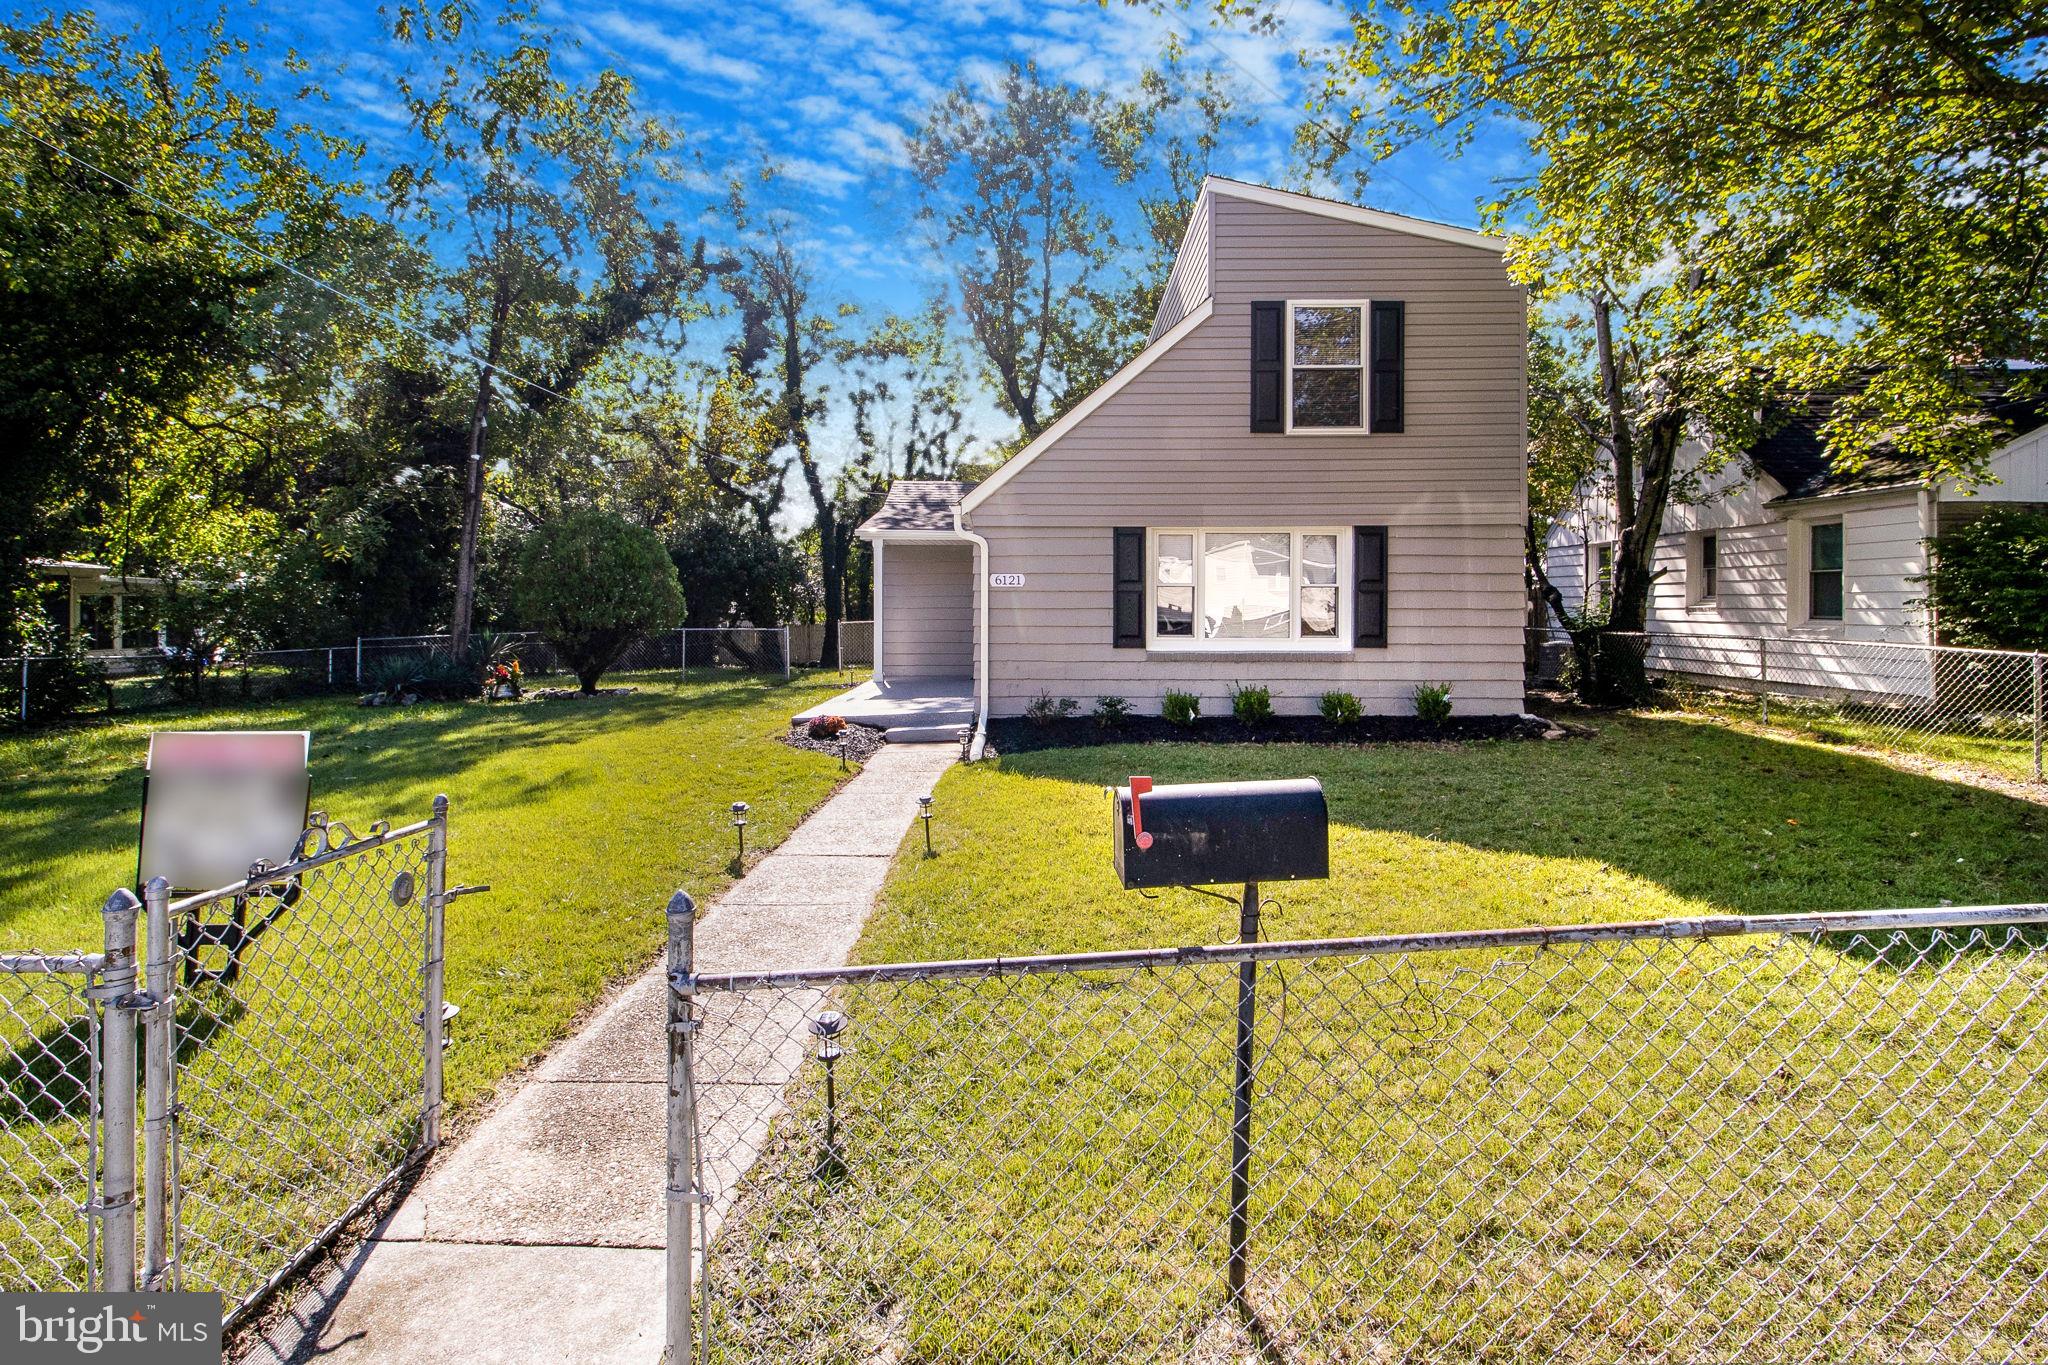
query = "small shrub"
{"x": 1045, "y": 708}
{"x": 1181, "y": 708}
{"x": 1339, "y": 708}
{"x": 1433, "y": 703}
{"x": 594, "y": 583}
{"x": 63, "y": 683}
{"x": 825, "y": 727}
{"x": 1252, "y": 705}
{"x": 1110, "y": 711}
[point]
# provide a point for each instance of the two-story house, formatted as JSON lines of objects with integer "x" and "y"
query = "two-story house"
{"x": 1311, "y": 479}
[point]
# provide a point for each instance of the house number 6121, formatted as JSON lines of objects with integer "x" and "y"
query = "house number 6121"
{"x": 1006, "y": 580}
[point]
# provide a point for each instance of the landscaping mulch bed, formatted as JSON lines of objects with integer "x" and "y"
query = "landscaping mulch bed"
{"x": 575, "y": 693}
{"x": 1016, "y": 735}
{"x": 857, "y": 742}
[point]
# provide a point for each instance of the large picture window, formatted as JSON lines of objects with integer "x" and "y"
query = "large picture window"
{"x": 1326, "y": 366}
{"x": 1249, "y": 589}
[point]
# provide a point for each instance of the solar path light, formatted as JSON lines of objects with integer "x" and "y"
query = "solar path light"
{"x": 739, "y": 825}
{"x": 924, "y": 813}
{"x": 826, "y": 1028}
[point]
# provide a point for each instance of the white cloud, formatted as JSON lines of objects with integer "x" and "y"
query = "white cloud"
{"x": 683, "y": 51}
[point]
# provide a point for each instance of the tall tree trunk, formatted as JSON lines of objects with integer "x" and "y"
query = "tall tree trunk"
{"x": 832, "y": 567}
{"x": 472, "y": 518}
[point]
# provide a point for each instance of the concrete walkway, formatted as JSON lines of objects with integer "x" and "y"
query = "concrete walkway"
{"x": 539, "y": 1237}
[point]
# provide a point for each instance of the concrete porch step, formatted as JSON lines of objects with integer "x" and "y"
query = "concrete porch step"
{"x": 928, "y": 734}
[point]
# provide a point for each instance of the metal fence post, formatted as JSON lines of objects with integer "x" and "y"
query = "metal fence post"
{"x": 1241, "y": 1098}
{"x": 2037, "y": 715}
{"x": 683, "y": 1195}
{"x": 785, "y": 678}
{"x": 117, "y": 1094}
{"x": 431, "y": 974}
{"x": 1763, "y": 673}
{"x": 359, "y": 661}
{"x": 156, "y": 1085}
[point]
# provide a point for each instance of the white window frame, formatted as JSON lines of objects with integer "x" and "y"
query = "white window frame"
{"x": 1364, "y": 307}
{"x": 1296, "y": 643}
{"x": 1696, "y": 569}
{"x": 1801, "y": 585}
{"x": 1596, "y": 583}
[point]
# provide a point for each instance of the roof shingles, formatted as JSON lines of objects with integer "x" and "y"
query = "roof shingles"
{"x": 915, "y": 507}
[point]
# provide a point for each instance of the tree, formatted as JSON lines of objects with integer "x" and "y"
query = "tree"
{"x": 732, "y": 569}
{"x": 1858, "y": 184}
{"x": 119, "y": 309}
{"x": 533, "y": 181}
{"x": 593, "y": 583}
{"x": 1004, "y": 184}
{"x": 1989, "y": 581}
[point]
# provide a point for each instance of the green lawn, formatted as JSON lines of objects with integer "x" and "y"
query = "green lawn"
{"x": 581, "y": 816}
{"x": 1721, "y": 1149}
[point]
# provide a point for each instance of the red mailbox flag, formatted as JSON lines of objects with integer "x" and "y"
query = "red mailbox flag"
{"x": 1140, "y": 786}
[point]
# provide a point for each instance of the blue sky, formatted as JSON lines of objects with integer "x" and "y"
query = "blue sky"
{"x": 825, "y": 88}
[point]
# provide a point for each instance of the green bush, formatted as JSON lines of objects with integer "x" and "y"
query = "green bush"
{"x": 1181, "y": 708}
{"x": 1252, "y": 705}
{"x": 593, "y": 583}
{"x": 1989, "y": 584}
{"x": 61, "y": 684}
{"x": 1110, "y": 711}
{"x": 1045, "y": 708}
{"x": 1339, "y": 708}
{"x": 1433, "y": 703}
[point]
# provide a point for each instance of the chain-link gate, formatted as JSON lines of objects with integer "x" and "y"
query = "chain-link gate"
{"x": 258, "y": 1069}
{"x": 49, "y": 1120}
{"x": 1776, "y": 1138}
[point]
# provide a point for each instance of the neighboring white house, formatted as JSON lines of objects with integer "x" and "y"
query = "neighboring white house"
{"x": 115, "y": 614}
{"x": 1784, "y": 548}
{"x": 1310, "y": 479}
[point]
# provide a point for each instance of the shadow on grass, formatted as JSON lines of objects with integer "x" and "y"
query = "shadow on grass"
{"x": 78, "y": 791}
{"x": 1742, "y": 823}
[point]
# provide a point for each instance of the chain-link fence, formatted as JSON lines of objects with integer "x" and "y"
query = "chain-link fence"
{"x": 856, "y": 645}
{"x": 37, "y": 690}
{"x": 1777, "y": 1138}
{"x": 254, "y": 1072}
{"x": 49, "y": 1110}
{"x": 1979, "y": 706}
{"x": 302, "y": 1054}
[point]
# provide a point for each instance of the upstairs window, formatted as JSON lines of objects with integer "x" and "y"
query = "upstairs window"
{"x": 1326, "y": 366}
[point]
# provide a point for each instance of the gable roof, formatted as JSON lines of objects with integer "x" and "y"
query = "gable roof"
{"x": 916, "y": 509}
{"x": 1796, "y": 455}
{"x": 1352, "y": 213}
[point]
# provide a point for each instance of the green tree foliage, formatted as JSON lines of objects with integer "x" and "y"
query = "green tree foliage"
{"x": 732, "y": 570}
{"x": 592, "y": 583}
{"x": 121, "y": 319}
{"x": 1858, "y": 185}
{"x": 1989, "y": 585}
{"x": 535, "y": 179}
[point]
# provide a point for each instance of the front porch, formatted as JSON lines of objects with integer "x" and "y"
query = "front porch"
{"x": 914, "y": 711}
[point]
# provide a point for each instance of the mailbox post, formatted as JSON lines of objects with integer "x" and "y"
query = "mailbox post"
{"x": 1215, "y": 833}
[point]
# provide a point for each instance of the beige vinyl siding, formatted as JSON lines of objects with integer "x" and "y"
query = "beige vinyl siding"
{"x": 1188, "y": 282}
{"x": 1173, "y": 448}
{"x": 925, "y": 610}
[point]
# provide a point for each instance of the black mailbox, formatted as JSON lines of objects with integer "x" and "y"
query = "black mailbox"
{"x": 1217, "y": 833}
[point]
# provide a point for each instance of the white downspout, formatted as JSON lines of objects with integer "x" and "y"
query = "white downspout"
{"x": 980, "y": 740}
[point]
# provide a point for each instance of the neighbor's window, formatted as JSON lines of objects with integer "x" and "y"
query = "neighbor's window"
{"x": 1599, "y": 570}
{"x": 1326, "y": 366}
{"x": 1824, "y": 572}
{"x": 1710, "y": 566}
{"x": 1247, "y": 589}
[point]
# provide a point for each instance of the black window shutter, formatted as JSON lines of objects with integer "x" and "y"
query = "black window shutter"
{"x": 1369, "y": 566}
{"x": 1269, "y": 371}
{"x": 1389, "y": 323}
{"x": 1127, "y": 627}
